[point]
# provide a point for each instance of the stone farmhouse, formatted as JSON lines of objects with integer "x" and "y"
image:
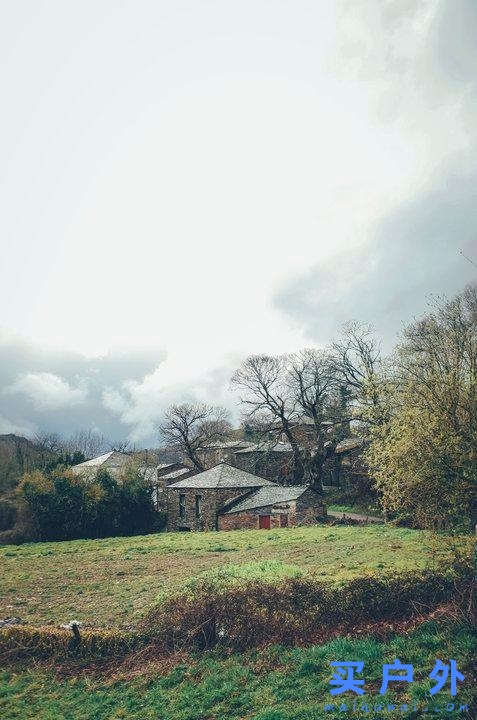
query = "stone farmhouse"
{"x": 227, "y": 498}
{"x": 113, "y": 462}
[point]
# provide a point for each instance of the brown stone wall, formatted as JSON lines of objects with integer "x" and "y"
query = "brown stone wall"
{"x": 239, "y": 521}
{"x": 211, "y": 503}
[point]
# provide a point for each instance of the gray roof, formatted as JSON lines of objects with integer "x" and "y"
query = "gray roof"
{"x": 265, "y": 496}
{"x": 349, "y": 444}
{"x": 100, "y": 460}
{"x": 224, "y": 444}
{"x": 266, "y": 447}
{"x": 176, "y": 473}
{"x": 222, "y": 476}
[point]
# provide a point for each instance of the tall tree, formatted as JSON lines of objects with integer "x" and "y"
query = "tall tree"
{"x": 312, "y": 385}
{"x": 359, "y": 370}
{"x": 190, "y": 428}
{"x": 424, "y": 454}
{"x": 266, "y": 391}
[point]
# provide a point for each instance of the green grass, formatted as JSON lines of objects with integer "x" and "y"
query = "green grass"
{"x": 113, "y": 582}
{"x": 268, "y": 684}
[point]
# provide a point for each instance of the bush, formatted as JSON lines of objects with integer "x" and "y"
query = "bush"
{"x": 292, "y": 611}
{"x": 65, "y": 506}
{"x": 23, "y": 641}
{"x": 8, "y": 514}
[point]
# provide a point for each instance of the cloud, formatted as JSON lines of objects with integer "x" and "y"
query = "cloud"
{"x": 50, "y": 389}
{"x": 7, "y": 427}
{"x": 47, "y": 391}
{"x": 139, "y": 405}
{"x": 419, "y": 60}
{"x": 122, "y": 394}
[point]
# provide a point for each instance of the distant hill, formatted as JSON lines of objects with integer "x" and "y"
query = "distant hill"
{"x": 19, "y": 455}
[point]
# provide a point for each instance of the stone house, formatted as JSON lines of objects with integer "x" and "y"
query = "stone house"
{"x": 226, "y": 497}
{"x": 272, "y": 507}
{"x": 270, "y": 459}
{"x": 160, "y": 476}
{"x": 219, "y": 451}
{"x": 114, "y": 462}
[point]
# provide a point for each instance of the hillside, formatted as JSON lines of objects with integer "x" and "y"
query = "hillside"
{"x": 19, "y": 455}
{"x": 113, "y": 582}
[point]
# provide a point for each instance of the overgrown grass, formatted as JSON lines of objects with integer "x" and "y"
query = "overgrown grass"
{"x": 113, "y": 582}
{"x": 268, "y": 684}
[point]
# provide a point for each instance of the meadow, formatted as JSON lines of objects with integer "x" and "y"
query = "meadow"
{"x": 113, "y": 582}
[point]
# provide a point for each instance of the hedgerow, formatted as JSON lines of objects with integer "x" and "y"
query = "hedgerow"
{"x": 296, "y": 609}
{"x": 292, "y": 611}
{"x": 23, "y": 641}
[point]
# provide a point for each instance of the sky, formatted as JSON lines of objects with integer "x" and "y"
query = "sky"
{"x": 186, "y": 183}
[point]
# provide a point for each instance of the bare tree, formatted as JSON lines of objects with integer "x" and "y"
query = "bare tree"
{"x": 266, "y": 392}
{"x": 358, "y": 366}
{"x": 88, "y": 442}
{"x": 312, "y": 382}
{"x": 50, "y": 441}
{"x": 123, "y": 446}
{"x": 190, "y": 428}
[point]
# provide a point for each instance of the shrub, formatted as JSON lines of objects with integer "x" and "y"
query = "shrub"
{"x": 65, "y": 506}
{"x": 292, "y": 611}
{"x": 8, "y": 514}
{"x": 23, "y": 641}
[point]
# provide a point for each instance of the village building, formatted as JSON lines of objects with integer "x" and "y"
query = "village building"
{"x": 272, "y": 507}
{"x": 219, "y": 451}
{"x": 160, "y": 476}
{"x": 114, "y": 462}
{"x": 206, "y": 501}
{"x": 270, "y": 459}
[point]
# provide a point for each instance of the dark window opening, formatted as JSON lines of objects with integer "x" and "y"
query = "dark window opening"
{"x": 182, "y": 506}
{"x": 198, "y": 506}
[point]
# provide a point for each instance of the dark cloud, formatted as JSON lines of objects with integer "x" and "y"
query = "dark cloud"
{"x": 63, "y": 391}
{"x": 414, "y": 251}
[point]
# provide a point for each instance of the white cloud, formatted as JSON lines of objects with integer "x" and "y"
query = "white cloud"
{"x": 140, "y": 404}
{"x": 47, "y": 391}
{"x": 7, "y": 427}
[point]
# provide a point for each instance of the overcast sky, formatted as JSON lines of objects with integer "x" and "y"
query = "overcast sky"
{"x": 183, "y": 183}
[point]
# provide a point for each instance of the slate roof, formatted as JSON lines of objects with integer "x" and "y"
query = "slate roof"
{"x": 176, "y": 473}
{"x": 349, "y": 444}
{"x": 265, "y": 496}
{"x": 98, "y": 461}
{"x": 222, "y": 476}
{"x": 225, "y": 444}
{"x": 265, "y": 448}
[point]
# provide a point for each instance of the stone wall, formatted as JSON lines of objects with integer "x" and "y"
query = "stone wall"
{"x": 239, "y": 521}
{"x": 212, "y": 501}
{"x": 306, "y": 510}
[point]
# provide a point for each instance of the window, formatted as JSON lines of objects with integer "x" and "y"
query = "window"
{"x": 182, "y": 506}
{"x": 198, "y": 506}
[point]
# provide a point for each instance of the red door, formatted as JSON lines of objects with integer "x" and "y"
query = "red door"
{"x": 264, "y": 522}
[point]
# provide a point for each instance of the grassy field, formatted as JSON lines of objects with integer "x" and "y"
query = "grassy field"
{"x": 112, "y": 582}
{"x": 269, "y": 684}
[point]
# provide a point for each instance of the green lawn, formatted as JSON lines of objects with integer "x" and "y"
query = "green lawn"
{"x": 267, "y": 684}
{"x": 112, "y": 582}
